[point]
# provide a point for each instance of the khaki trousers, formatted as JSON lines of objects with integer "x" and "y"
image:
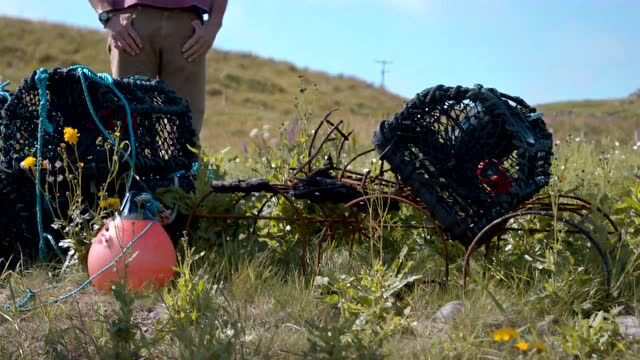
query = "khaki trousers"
{"x": 163, "y": 33}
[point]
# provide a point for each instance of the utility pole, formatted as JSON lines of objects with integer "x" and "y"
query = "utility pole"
{"x": 383, "y": 70}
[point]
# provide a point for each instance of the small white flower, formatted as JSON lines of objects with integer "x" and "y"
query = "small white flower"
{"x": 266, "y": 135}
{"x": 66, "y": 243}
{"x": 321, "y": 281}
{"x": 229, "y": 332}
{"x": 266, "y": 127}
{"x": 59, "y": 178}
{"x": 50, "y": 178}
{"x": 254, "y": 133}
{"x": 58, "y": 164}
{"x": 617, "y": 143}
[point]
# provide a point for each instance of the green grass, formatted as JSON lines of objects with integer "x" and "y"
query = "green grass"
{"x": 248, "y": 299}
{"x": 245, "y": 296}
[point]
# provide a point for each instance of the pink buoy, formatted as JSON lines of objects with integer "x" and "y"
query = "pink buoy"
{"x": 150, "y": 261}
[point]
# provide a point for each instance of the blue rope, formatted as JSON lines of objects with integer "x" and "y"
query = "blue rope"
{"x": 22, "y": 302}
{"x": 107, "y": 80}
{"x": 42, "y": 77}
{"x": 21, "y": 305}
{"x": 152, "y": 206}
{"x": 4, "y": 92}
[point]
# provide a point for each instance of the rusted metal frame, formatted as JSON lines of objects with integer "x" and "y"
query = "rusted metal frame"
{"x": 538, "y": 231}
{"x": 304, "y": 219}
{"x": 194, "y": 212}
{"x": 325, "y": 229}
{"x": 275, "y": 190}
{"x": 358, "y": 175}
{"x": 357, "y": 231}
{"x": 341, "y": 147}
{"x": 364, "y": 180}
{"x": 382, "y": 172}
{"x": 319, "y": 250}
{"x": 325, "y": 120}
{"x": 254, "y": 231}
{"x": 317, "y": 152}
{"x": 353, "y": 159}
{"x": 338, "y": 130}
{"x": 317, "y": 130}
{"x": 588, "y": 207}
{"x": 481, "y": 239}
{"x": 427, "y": 213}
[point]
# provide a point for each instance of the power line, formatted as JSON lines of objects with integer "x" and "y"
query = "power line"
{"x": 383, "y": 70}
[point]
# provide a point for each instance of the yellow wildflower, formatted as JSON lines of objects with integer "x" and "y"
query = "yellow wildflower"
{"x": 110, "y": 203}
{"x": 71, "y": 135}
{"x": 523, "y": 346}
{"x": 540, "y": 346}
{"x": 28, "y": 162}
{"x": 504, "y": 334}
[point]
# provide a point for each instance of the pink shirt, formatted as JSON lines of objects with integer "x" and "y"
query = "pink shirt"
{"x": 203, "y": 4}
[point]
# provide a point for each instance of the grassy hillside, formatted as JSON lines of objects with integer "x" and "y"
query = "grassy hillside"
{"x": 246, "y": 91}
{"x": 243, "y": 91}
{"x": 617, "y": 119}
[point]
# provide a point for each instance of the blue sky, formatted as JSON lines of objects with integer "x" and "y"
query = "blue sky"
{"x": 541, "y": 50}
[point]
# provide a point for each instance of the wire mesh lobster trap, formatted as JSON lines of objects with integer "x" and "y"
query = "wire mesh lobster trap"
{"x": 160, "y": 121}
{"x": 151, "y": 118}
{"x": 470, "y": 154}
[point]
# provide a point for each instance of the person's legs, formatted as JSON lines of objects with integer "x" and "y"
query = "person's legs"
{"x": 146, "y": 63}
{"x": 187, "y": 79}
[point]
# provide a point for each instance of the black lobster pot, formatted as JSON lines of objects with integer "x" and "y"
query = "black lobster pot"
{"x": 162, "y": 133}
{"x": 471, "y": 155}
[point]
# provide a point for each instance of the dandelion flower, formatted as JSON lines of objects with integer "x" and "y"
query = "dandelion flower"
{"x": 71, "y": 135}
{"x": 504, "y": 334}
{"x": 110, "y": 203}
{"x": 540, "y": 346}
{"x": 28, "y": 162}
{"x": 523, "y": 346}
